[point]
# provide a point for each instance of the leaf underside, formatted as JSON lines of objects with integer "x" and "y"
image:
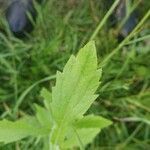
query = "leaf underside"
{"x": 76, "y": 85}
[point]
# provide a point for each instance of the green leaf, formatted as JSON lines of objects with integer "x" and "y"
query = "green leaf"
{"x": 85, "y": 129}
{"x": 75, "y": 87}
{"x": 13, "y": 131}
{"x": 84, "y": 135}
{"x": 43, "y": 116}
{"x": 92, "y": 121}
{"x": 47, "y": 98}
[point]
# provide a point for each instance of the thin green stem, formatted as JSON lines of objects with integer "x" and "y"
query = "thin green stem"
{"x": 129, "y": 12}
{"x": 138, "y": 39}
{"x": 23, "y": 95}
{"x": 101, "y": 24}
{"x": 126, "y": 40}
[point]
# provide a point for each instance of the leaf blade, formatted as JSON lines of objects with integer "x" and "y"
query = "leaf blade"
{"x": 14, "y": 131}
{"x": 92, "y": 121}
{"x": 74, "y": 82}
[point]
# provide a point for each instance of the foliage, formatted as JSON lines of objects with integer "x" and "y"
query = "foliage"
{"x": 62, "y": 119}
{"x": 63, "y": 27}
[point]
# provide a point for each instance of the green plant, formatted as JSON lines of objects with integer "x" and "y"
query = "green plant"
{"x": 62, "y": 122}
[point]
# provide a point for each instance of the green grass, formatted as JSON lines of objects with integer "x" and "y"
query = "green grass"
{"x": 61, "y": 29}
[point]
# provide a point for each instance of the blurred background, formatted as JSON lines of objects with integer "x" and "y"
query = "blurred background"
{"x": 61, "y": 28}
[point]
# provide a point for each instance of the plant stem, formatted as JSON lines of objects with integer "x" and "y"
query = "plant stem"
{"x": 101, "y": 24}
{"x": 23, "y": 95}
{"x": 126, "y": 40}
{"x": 138, "y": 39}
